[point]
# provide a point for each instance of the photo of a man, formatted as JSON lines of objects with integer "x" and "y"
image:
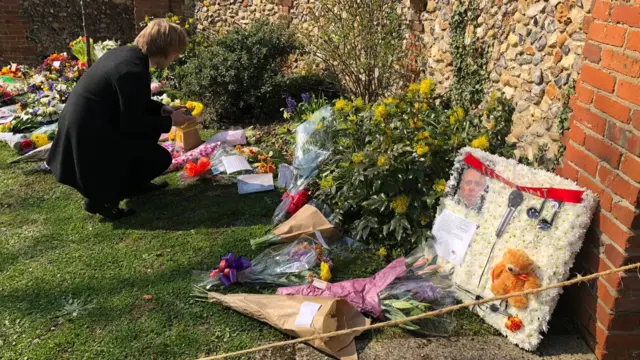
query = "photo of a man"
{"x": 471, "y": 188}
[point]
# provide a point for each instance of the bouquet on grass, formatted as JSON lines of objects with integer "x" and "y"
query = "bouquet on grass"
{"x": 304, "y": 222}
{"x": 422, "y": 288}
{"x": 284, "y": 313}
{"x": 406, "y": 287}
{"x": 195, "y": 171}
{"x": 299, "y": 262}
{"x": 313, "y": 146}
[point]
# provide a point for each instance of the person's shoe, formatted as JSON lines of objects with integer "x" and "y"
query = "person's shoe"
{"x": 111, "y": 212}
{"x": 147, "y": 188}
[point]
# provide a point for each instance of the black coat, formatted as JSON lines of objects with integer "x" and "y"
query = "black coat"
{"x": 109, "y": 128}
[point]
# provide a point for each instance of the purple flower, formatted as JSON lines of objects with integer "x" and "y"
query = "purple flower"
{"x": 288, "y": 110}
{"x": 51, "y": 85}
{"x": 291, "y": 104}
{"x": 426, "y": 292}
{"x": 35, "y": 111}
{"x": 40, "y": 94}
{"x": 306, "y": 98}
{"x": 31, "y": 88}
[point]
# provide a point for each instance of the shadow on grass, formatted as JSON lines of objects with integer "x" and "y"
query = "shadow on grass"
{"x": 200, "y": 205}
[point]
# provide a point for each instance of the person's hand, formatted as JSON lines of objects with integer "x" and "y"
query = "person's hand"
{"x": 168, "y": 110}
{"x": 178, "y": 118}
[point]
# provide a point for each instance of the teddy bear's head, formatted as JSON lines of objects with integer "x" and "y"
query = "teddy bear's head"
{"x": 517, "y": 261}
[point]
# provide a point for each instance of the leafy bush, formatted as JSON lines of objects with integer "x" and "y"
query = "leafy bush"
{"x": 390, "y": 160}
{"x": 239, "y": 77}
{"x": 361, "y": 43}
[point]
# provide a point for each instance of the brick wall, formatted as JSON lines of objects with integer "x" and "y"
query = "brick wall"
{"x": 13, "y": 43}
{"x": 30, "y": 31}
{"x": 603, "y": 150}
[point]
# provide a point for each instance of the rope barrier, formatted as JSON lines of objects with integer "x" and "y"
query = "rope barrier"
{"x": 577, "y": 280}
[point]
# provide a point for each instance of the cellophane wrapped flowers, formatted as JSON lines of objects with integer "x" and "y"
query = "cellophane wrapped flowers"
{"x": 313, "y": 147}
{"x": 296, "y": 263}
{"x": 424, "y": 287}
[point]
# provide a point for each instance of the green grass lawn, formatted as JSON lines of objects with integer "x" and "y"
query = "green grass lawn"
{"x": 72, "y": 286}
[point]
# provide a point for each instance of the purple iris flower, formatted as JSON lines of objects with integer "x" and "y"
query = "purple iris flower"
{"x": 31, "y": 88}
{"x": 52, "y": 85}
{"x": 40, "y": 94}
{"x": 306, "y": 98}
{"x": 291, "y": 103}
{"x": 36, "y": 111}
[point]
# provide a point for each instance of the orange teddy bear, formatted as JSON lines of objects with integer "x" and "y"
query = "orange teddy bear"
{"x": 514, "y": 274}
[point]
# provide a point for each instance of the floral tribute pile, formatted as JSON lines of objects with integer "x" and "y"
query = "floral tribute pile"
{"x": 34, "y": 97}
{"x": 524, "y": 228}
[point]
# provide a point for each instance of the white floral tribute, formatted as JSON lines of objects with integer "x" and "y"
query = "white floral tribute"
{"x": 553, "y": 251}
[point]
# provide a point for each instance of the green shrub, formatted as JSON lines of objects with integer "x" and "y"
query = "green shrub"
{"x": 240, "y": 76}
{"x": 391, "y": 160}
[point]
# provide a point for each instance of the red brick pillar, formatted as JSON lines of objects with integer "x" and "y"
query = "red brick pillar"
{"x": 14, "y": 46}
{"x": 152, "y": 8}
{"x": 603, "y": 150}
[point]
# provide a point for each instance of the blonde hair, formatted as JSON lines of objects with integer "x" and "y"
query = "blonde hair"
{"x": 161, "y": 38}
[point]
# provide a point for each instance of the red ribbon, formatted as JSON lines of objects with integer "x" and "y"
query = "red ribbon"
{"x": 563, "y": 195}
{"x": 193, "y": 170}
{"x": 298, "y": 200}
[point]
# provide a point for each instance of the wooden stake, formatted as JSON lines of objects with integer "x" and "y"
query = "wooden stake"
{"x": 86, "y": 36}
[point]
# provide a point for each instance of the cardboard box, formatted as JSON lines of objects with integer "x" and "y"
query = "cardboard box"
{"x": 187, "y": 137}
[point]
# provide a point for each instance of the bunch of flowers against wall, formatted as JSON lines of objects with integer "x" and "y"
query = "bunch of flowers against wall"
{"x": 503, "y": 227}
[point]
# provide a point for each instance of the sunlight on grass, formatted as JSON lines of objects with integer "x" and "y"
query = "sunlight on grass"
{"x": 73, "y": 286}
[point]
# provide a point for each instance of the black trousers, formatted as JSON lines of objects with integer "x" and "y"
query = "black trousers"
{"x": 145, "y": 167}
{"x": 149, "y": 161}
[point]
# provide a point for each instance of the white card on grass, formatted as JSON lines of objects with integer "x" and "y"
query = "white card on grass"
{"x": 235, "y": 163}
{"x": 307, "y": 311}
{"x": 248, "y": 184}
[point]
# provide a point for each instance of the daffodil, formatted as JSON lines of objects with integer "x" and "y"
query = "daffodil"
{"x": 382, "y": 252}
{"x": 423, "y": 135}
{"x": 400, "y": 204}
{"x": 352, "y": 118}
{"x": 440, "y": 186}
{"x": 481, "y": 142}
{"x": 325, "y": 271}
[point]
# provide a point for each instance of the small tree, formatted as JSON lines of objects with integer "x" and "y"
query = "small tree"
{"x": 361, "y": 41}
